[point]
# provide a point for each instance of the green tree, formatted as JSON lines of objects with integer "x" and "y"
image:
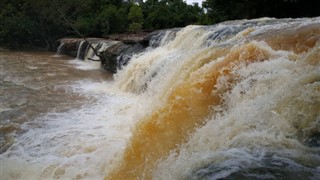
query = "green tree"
{"x": 169, "y": 13}
{"x": 135, "y": 17}
{"x": 22, "y": 26}
{"x": 221, "y": 10}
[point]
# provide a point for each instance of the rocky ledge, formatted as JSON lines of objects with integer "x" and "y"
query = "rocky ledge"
{"x": 114, "y": 51}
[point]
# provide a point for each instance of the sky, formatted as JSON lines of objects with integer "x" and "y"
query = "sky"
{"x": 194, "y": 1}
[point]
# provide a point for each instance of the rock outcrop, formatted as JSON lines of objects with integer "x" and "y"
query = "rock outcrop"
{"x": 69, "y": 46}
{"x": 114, "y": 51}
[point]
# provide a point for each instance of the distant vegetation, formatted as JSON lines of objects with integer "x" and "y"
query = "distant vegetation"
{"x": 39, "y": 23}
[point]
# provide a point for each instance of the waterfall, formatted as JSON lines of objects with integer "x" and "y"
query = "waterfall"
{"x": 86, "y": 53}
{"x": 224, "y": 100}
{"x": 60, "y": 49}
{"x": 117, "y": 54}
{"x": 234, "y": 100}
{"x": 81, "y": 50}
{"x": 89, "y": 55}
{"x": 160, "y": 38}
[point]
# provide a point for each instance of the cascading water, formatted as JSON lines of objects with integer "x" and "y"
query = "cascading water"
{"x": 60, "y": 48}
{"x": 86, "y": 53}
{"x": 159, "y": 38}
{"x": 82, "y": 48}
{"x": 163, "y": 37}
{"x": 99, "y": 47}
{"x": 227, "y": 100}
{"x": 238, "y": 100}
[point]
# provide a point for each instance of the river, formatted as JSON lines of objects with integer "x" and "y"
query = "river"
{"x": 53, "y": 112}
{"x": 237, "y": 100}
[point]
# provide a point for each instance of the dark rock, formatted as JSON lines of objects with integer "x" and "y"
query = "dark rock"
{"x": 270, "y": 167}
{"x": 70, "y": 46}
{"x": 127, "y": 38}
{"x": 118, "y": 55}
{"x": 110, "y": 63}
{"x": 313, "y": 140}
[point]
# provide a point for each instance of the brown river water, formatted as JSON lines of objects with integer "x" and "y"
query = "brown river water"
{"x": 34, "y": 83}
{"x": 39, "y": 88}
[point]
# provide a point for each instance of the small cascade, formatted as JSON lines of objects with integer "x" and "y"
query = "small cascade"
{"x": 60, "y": 48}
{"x": 169, "y": 36}
{"x": 86, "y": 53}
{"x": 90, "y": 52}
{"x": 117, "y": 54}
{"x": 160, "y": 38}
{"x": 99, "y": 47}
{"x": 82, "y": 47}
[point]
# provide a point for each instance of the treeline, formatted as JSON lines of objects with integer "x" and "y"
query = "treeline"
{"x": 222, "y": 10}
{"x": 39, "y": 23}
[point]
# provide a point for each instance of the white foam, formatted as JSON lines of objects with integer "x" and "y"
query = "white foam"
{"x": 80, "y": 143}
{"x": 85, "y": 65}
{"x": 271, "y": 109}
{"x": 32, "y": 67}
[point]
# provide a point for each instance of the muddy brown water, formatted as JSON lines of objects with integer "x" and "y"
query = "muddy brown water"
{"x": 34, "y": 83}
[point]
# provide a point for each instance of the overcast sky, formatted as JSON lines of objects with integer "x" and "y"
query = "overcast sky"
{"x": 194, "y": 1}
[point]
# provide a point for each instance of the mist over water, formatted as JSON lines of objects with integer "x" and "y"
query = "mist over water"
{"x": 236, "y": 100}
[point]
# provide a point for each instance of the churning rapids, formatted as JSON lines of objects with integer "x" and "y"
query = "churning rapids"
{"x": 236, "y": 100}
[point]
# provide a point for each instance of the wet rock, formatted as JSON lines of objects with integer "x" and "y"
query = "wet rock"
{"x": 119, "y": 54}
{"x": 109, "y": 62}
{"x": 69, "y": 46}
{"x": 129, "y": 38}
{"x": 123, "y": 48}
{"x": 313, "y": 140}
{"x": 157, "y": 38}
{"x": 267, "y": 168}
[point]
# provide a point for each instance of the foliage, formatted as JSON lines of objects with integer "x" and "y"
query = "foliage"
{"x": 221, "y": 10}
{"x": 169, "y": 14}
{"x": 135, "y": 16}
{"x": 39, "y": 23}
{"x": 112, "y": 19}
{"x": 134, "y": 27}
{"x": 15, "y": 26}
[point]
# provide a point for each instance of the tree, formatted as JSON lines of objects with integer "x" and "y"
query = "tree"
{"x": 22, "y": 26}
{"x": 169, "y": 13}
{"x": 135, "y": 17}
{"x": 221, "y": 10}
